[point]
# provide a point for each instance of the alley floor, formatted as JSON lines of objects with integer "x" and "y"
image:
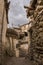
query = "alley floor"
{"x": 17, "y": 61}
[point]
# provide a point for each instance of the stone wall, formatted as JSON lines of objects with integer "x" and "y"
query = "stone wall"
{"x": 37, "y": 35}
{"x": 36, "y": 32}
{"x": 3, "y": 28}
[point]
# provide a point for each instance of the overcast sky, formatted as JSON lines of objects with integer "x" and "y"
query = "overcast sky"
{"x": 17, "y": 13}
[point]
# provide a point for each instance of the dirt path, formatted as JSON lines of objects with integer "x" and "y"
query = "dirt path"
{"x": 17, "y": 61}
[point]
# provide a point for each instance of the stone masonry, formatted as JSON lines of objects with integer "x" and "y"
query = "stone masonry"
{"x": 36, "y": 31}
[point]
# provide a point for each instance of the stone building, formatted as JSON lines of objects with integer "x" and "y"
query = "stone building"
{"x": 16, "y": 40}
{"x": 24, "y": 39}
{"x": 24, "y": 29}
{"x": 21, "y": 40}
{"x": 3, "y": 28}
{"x": 35, "y": 12}
{"x": 11, "y": 41}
